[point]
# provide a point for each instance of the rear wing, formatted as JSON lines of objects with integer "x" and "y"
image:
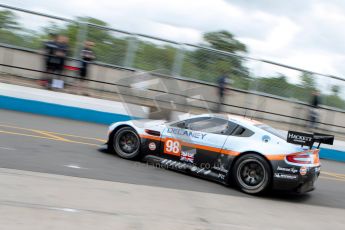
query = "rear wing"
{"x": 308, "y": 139}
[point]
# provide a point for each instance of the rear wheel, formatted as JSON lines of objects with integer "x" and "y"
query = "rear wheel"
{"x": 126, "y": 143}
{"x": 252, "y": 173}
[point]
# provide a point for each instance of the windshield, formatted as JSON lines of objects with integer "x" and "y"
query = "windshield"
{"x": 272, "y": 131}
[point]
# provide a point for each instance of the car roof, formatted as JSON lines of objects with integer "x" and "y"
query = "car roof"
{"x": 243, "y": 119}
{"x": 233, "y": 118}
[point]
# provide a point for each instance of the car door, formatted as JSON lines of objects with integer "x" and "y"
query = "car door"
{"x": 197, "y": 141}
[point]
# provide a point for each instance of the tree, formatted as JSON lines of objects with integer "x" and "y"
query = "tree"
{"x": 303, "y": 91}
{"x": 150, "y": 57}
{"x": 335, "y": 90}
{"x": 334, "y": 100}
{"x": 8, "y": 20}
{"x": 275, "y": 85}
{"x": 208, "y": 65}
{"x": 224, "y": 40}
{"x": 8, "y": 28}
{"x": 308, "y": 81}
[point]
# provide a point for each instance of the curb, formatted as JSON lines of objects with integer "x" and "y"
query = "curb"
{"x": 62, "y": 111}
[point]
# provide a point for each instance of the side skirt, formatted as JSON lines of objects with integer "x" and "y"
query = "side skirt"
{"x": 186, "y": 168}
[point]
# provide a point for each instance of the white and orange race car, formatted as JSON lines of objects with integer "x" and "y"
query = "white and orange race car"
{"x": 224, "y": 148}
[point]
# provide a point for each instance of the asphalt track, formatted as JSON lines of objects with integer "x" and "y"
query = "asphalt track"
{"x": 65, "y": 147}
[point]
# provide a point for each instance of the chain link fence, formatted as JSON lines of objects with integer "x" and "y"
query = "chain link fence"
{"x": 117, "y": 48}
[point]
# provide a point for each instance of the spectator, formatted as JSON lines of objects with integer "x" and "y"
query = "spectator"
{"x": 87, "y": 56}
{"x": 222, "y": 82}
{"x": 313, "y": 114}
{"x": 315, "y": 99}
{"x": 49, "y": 54}
{"x": 59, "y": 60}
{"x": 61, "y": 53}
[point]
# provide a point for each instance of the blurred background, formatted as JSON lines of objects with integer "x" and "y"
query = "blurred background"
{"x": 256, "y": 87}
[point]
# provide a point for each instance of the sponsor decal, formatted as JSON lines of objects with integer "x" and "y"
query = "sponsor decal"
{"x": 152, "y": 146}
{"x": 200, "y": 170}
{"x": 188, "y": 133}
{"x": 221, "y": 169}
{"x": 221, "y": 176}
{"x": 188, "y": 156}
{"x": 174, "y": 164}
{"x": 292, "y": 170}
{"x": 303, "y": 170}
{"x": 285, "y": 176}
{"x": 266, "y": 138}
{"x": 300, "y": 138}
{"x": 184, "y": 166}
{"x": 194, "y": 168}
{"x": 207, "y": 172}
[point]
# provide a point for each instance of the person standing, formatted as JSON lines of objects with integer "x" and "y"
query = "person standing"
{"x": 313, "y": 114}
{"x": 222, "y": 83}
{"x": 61, "y": 52}
{"x": 50, "y": 47}
{"x": 87, "y": 56}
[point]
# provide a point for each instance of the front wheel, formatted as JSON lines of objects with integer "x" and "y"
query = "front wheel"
{"x": 252, "y": 174}
{"x": 126, "y": 143}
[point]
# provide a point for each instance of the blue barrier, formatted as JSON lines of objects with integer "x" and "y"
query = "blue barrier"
{"x": 332, "y": 154}
{"x": 62, "y": 111}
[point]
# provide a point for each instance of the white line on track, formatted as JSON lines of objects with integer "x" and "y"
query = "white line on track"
{"x": 66, "y": 209}
{"x": 73, "y": 166}
{"x": 7, "y": 148}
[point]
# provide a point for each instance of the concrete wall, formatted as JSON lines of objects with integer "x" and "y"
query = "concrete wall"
{"x": 162, "y": 88}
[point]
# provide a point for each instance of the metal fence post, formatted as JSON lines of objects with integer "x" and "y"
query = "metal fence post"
{"x": 81, "y": 38}
{"x": 131, "y": 51}
{"x": 178, "y": 62}
{"x": 329, "y": 89}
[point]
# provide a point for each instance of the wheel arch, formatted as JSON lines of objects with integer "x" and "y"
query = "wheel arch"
{"x": 111, "y": 138}
{"x": 116, "y": 129}
{"x": 230, "y": 178}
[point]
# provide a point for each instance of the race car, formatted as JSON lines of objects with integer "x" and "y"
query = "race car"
{"x": 224, "y": 148}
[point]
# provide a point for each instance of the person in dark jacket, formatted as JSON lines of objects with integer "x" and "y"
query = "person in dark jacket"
{"x": 61, "y": 53}
{"x": 49, "y": 57}
{"x": 313, "y": 114}
{"x": 87, "y": 56}
{"x": 315, "y": 99}
{"x": 49, "y": 48}
{"x": 222, "y": 82}
{"x": 58, "y": 62}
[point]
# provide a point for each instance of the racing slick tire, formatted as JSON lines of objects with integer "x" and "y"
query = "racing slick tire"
{"x": 125, "y": 143}
{"x": 252, "y": 173}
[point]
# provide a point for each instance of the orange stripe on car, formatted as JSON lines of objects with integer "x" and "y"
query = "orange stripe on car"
{"x": 276, "y": 157}
{"x": 204, "y": 147}
{"x": 230, "y": 152}
{"x": 151, "y": 137}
